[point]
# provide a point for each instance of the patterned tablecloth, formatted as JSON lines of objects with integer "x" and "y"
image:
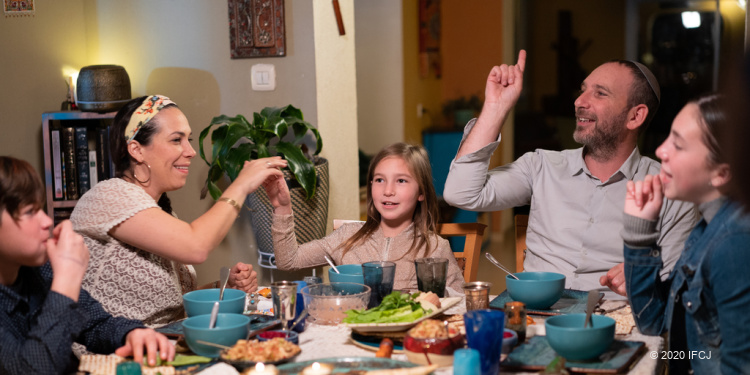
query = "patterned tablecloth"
{"x": 319, "y": 341}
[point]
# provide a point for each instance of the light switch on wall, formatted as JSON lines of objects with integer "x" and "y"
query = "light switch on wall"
{"x": 263, "y": 77}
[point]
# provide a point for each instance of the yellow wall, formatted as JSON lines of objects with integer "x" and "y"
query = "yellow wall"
{"x": 471, "y": 43}
{"x": 181, "y": 51}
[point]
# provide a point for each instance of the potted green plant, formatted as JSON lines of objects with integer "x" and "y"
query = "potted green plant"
{"x": 462, "y": 109}
{"x": 275, "y": 131}
{"x": 271, "y": 124}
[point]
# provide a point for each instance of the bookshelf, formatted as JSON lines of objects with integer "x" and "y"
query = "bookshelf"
{"x": 89, "y": 124}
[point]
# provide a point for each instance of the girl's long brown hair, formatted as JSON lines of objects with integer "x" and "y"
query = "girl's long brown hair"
{"x": 425, "y": 216}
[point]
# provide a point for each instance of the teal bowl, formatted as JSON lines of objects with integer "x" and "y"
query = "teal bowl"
{"x": 566, "y": 335}
{"x": 538, "y": 290}
{"x": 350, "y": 273}
{"x": 201, "y": 302}
{"x": 229, "y": 328}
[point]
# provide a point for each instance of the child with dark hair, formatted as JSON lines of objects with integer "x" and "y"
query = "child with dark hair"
{"x": 43, "y": 309}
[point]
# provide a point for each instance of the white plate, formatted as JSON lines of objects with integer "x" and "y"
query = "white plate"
{"x": 445, "y": 304}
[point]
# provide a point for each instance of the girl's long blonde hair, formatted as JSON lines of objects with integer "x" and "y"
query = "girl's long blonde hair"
{"x": 425, "y": 216}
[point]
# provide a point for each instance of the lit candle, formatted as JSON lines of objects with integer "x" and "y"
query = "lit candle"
{"x": 318, "y": 369}
{"x": 261, "y": 369}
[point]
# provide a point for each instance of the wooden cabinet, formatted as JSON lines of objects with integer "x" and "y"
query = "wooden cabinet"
{"x": 90, "y": 124}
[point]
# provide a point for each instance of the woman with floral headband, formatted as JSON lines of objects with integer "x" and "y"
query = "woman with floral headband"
{"x": 140, "y": 252}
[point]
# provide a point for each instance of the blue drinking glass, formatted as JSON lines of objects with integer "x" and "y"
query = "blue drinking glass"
{"x": 484, "y": 332}
{"x": 379, "y": 277}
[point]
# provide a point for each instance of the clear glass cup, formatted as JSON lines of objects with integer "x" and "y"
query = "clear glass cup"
{"x": 431, "y": 275}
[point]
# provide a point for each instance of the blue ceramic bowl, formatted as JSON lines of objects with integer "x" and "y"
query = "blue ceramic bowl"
{"x": 200, "y": 302}
{"x": 350, "y": 273}
{"x": 565, "y": 334}
{"x": 538, "y": 290}
{"x": 229, "y": 328}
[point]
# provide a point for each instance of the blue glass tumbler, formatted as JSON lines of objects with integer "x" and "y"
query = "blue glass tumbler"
{"x": 466, "y": 362}
{"x": 484, "y": 332}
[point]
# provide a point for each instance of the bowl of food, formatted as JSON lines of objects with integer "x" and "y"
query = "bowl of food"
{"x": 349, "y": 273}
{"x": 201, "y": 301}
{"x": 246, "y": 354}
{"x": 566, "y": 335}
{"x": 538, "y": 290}
{"x": 432, "y": 339}
{"x": 290, "y": 336}
{"x": 228, "y": 329}
{"x": 327, "y": 303}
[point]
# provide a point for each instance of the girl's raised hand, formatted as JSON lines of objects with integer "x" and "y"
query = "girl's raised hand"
{"x": 643, "y": 199}
{"x": 256, "y": 172}
{"x": 278, "y": 194}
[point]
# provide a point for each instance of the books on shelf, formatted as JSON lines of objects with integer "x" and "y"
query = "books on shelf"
{"x": 82, "y": 159}
{"x": 57, "y": 171}
{"x": 79, "y": 159}
{"x": 93, "y": 173}
{"x": 69, "y": 160}
{"x": 102, "y": 154}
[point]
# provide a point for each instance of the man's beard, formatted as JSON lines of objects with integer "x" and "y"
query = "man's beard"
{"x": 603, "y": 138}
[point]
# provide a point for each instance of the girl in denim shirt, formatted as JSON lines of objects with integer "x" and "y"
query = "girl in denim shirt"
{"x": 704, "y": 302}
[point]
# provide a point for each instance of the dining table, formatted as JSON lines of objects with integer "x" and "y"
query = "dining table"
{"x": 332, "y": 341}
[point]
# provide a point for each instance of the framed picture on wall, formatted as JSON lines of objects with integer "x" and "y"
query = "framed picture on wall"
{"x": 256, "y": 28}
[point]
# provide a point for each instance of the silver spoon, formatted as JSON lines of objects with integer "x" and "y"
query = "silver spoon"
{"x": 330, "y": 261}
{"x": 498, "y": 265}
{"x": 590, "y": 304}
{"x": 214, "y": 315}
{"x": 223, "y": 278}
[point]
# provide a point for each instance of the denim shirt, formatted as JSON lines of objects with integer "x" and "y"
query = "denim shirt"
{"x": 704, "y": 304}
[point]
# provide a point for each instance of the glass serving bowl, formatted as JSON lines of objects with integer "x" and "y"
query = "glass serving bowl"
{"x": 327, "y": 303}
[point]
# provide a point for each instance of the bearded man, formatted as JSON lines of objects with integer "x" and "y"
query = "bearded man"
{"x": 576, "y": 196}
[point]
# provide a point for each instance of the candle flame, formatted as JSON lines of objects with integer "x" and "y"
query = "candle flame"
{"x": 316, "y": 366}
{"x": 260, "y": 367}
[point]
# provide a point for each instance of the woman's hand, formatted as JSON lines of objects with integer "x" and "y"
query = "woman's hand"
{"x": 643, "y": 199}
{"x": 69, "y": 258}
{"x": 256, "y": 172}
{"x": 278, "y": 194}
{"x": 243, "y": 277}
{"x": 152, "y": 342}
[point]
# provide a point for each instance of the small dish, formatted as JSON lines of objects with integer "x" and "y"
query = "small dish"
{"x": 245, "y": 350}
{"x": 242, "y": 365}
{"x": 432, "y": 350}
{"x": 290, "y": 336}
{"x": 510, "y": 339}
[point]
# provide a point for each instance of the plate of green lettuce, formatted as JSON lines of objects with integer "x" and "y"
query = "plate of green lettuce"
{"x": 397, "y": 312}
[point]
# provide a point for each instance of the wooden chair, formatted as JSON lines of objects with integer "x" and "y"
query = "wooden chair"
{"x": 468, "y": 260}
{"x": 522, "y": 223}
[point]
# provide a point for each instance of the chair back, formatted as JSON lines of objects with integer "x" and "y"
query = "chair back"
{"x": 522, "y": 223}
{"x": 468, "y": 260}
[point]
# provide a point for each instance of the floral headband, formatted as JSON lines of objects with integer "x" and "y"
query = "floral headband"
{"x": 144, "y": 113}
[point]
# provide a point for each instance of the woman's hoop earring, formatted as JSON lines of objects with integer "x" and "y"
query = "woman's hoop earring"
{"x": 149, "y": 174}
